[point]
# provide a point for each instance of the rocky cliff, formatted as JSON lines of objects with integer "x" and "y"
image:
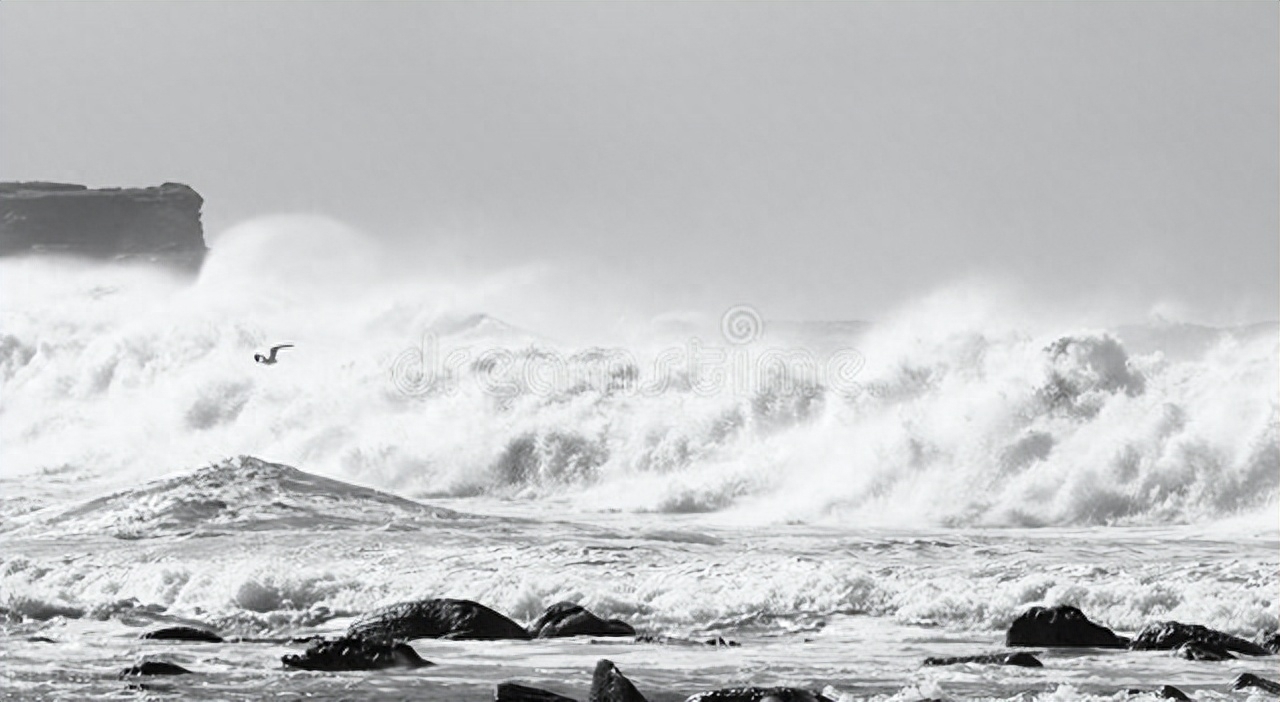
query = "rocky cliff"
{"x": 159, "y": 224}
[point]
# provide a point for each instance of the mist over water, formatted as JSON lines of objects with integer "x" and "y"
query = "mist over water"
{"x": 962, "y": 408}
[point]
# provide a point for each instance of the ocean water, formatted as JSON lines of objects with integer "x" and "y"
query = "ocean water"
{"x": 841, "y": 499}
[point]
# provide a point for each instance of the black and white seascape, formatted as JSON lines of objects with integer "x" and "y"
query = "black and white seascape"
{"x": 639, "y": 351}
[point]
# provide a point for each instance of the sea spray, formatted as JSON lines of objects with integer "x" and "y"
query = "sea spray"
{"x": 958, "y": 411}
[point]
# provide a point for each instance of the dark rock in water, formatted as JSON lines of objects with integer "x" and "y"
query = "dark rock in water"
{"x": 717, "y": 642}
{"x": 40, "y": 639}
{"x": 1245, "y": 680}
{"x": 436, "y": 619}
{"x": 154, "y": 668}
{"x": 1203, "y": 651}
{"x": 1167, "y": 691}
{"x": 1167, "y": 636}
{"x": 608, "y": 684}
{"x": 1061, "y": 626}
{"x": 1021, "y": 658}
{"x": 569, "y": 619}
{"x": 1271, "y": 641}
{"x": 355, "y": 654}
{"x": 757, "y": 694}
{"x": 182, "y": 633}
{"x": 513, "y": 692}
{"x": 159, "y": 224}
{"x": 314, "y": 638}
{"x": 721, "y": 642}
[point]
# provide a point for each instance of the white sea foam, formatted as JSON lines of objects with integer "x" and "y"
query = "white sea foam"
{"x": 966, "y": 410}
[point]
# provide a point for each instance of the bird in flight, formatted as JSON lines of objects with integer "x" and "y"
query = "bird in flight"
{"x": 270, "y": 358}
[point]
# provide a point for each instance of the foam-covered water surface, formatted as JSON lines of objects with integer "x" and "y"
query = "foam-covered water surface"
{"x": 843, "y": 500}
{"x": 809, "y": 605}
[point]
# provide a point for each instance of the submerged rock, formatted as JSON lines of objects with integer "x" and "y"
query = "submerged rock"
{"x": 355, "y": 654}
{"x": 435, "y": 619}
{"x": 182, "y": 633}
{"x": 568, "y": 619}
{"x": 154, "y": 668}
{"x": 757, "y": 694}
{"x": 157, "y": 224}
{"x": 1061, "y": 626}
{"x": 608, "y": 684}
{"x": 514, "y": 692}
{"x": 1021, "y": 658}
{"x": 1203, "y": 651}
{"x": 1167, "y": 636}
{"x": 1246, "y": 680}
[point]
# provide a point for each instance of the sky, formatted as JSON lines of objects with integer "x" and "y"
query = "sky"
{"x": 817, "y": 160}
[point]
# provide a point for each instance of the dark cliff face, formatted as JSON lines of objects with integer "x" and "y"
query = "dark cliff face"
{"x": 157, "y": 224}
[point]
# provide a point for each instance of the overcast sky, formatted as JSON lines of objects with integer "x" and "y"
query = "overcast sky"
{"x": 820, "y": 160}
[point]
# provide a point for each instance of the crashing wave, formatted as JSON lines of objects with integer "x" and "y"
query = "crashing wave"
{"x": 238, "y": 494}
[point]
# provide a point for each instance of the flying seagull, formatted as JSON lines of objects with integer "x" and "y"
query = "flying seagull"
{"x": 270, "y": 358}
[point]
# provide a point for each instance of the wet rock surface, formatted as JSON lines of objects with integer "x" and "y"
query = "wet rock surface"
{"x": 1203, "y": 651}
{"x": 355, "y": 654}
{"x": 182, "y": 633}
{"x": 608, "y": 684}
{"x": 1061, "y": 626}
{"x": 515, "y": 692}
{"x": 569, "y": 619}
{"x": 154, "y": 668}
{"x": 435, "y": 619}
{"x": 1160, "y": 636}
{"x": 1270, "y": 641}
{"x": 1248, "y": 680}
{"x": 1022, "y": 658}
{"x": 1167, "y": 691}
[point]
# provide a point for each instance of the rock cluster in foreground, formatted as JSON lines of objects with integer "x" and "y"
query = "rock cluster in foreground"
{"x": 160, "y": 224}
{"x": 379, "y": 640}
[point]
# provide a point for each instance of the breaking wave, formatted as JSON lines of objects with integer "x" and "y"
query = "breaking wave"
{"x": 948, "y": 412}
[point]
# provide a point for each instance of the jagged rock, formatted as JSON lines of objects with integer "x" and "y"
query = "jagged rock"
{"x": 154, "y": 668}
{"x": 355, "y": 654}
{"x": 1271, "y": 641}
{"x": 159, "y": 223}
{"x": 1167, "y": 691}
{"x": 1021, "y": 658}
{"x": 757, "y": 694}
{"x": 436, "y": 619}
{"x": 1245, "y": 680}
{"x": 182, "y": 633}
{"x": 568, "y": 619}
{"x": 1167, "y": 636}
{"x": 1203, "y": 651}
{"x": 40, "y": 639}
{"x": 608, "y": 684}
{"x": 1061, "y": 626}
{"x": 514, "y": 692}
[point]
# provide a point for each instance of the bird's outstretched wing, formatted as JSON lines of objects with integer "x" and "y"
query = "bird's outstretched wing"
{"x": 274, "y": 349}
